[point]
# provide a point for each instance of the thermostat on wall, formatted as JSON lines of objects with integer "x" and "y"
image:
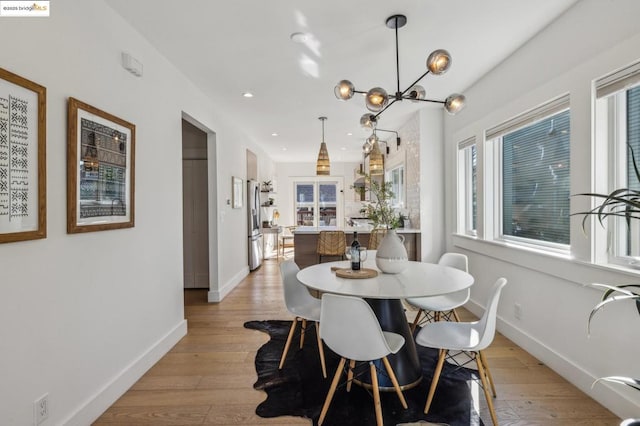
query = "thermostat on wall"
{"x": 131, "y": 64}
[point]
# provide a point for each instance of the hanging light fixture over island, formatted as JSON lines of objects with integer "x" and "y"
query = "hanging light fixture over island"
{"x": 323, "y": 168}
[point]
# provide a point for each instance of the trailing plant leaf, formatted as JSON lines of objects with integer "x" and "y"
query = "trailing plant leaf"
{"x": 606, "y": 302}
{"x": 622, "y": 202}
{"x": 634, "y": 383}
{"x": 610, "y": 296}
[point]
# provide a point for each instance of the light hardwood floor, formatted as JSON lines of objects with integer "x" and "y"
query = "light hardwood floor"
{"x": 207, "y": 377}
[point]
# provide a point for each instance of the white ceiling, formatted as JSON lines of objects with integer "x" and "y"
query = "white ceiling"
{"x": 230, "y": 47}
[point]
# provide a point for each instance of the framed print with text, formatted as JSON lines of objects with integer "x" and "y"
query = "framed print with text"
{"x": 23, "y": 187}
{"x": 100, "y": 170}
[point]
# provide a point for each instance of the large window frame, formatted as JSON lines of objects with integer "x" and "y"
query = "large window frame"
{"x": 494, "y": 138}
{"x": 396, "y": 179}
{"x": 467, "y": 187}
{"x": 317, "y": 208}
{"x": 620, "y": 243}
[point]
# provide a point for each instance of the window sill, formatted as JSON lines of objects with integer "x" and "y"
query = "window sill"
{"x": 548, "y": 262}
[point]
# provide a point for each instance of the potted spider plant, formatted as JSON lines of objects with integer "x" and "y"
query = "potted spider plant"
{"x": 621, "y": 202}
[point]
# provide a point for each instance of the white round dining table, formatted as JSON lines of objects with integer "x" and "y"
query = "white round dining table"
{"x": 419, "y": 279}
{"x": 384, "y": 293}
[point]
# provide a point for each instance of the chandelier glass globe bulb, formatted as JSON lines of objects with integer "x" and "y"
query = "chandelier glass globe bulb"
{"x": 366, "y": 147}
{"x": 416, "y": 93}
{"x": 344, "y": 90}
{"x": 439, "y": 61}
{"x": 454, "y": 103}
{"x": 376, "y": 99}
{"x": 368, "y": 121}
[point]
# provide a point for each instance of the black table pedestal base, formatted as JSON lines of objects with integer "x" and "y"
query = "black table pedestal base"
{"x": 405, "y": 363}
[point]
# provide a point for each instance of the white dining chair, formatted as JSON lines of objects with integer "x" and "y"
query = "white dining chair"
{"x": 349, "y": 327}
{"x": 444, "y": 306}
{"x": 303, "y": 306}
{"x": 470, "y": 338}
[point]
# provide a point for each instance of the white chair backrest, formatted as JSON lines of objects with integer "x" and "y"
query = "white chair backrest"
{"x": 458, "y": 261}
{"x": 350, "y": 328}
{"x": 486, "y": 326}
{"x": 295, "y": 293}
{"x": 455, "y": 260}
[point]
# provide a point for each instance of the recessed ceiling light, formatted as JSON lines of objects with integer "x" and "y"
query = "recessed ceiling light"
{"x": 247, "y": 95}
{"x": 284, "y": 148}
{"x": 299, "y": 37}
{"x": 344, "y": 148}
{"x": 349, "y": 134}
{"x": 274, "y": 134}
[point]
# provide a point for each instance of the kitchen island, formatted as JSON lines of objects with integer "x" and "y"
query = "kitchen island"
{"x": 306, "y": 241}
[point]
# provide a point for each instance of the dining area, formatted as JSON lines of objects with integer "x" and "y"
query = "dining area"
{"x": 359, "y": 318}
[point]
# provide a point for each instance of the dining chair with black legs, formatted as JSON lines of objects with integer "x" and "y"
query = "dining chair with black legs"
{"x": 350, "y": 328}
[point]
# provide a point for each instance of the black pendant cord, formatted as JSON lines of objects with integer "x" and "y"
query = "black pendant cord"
{"x": 397, "y": 59}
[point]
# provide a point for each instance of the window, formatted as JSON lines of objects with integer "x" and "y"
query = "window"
{"x": 618, "y": 132}
{"x": 395, "y": 177}
{"x": 467, "y": 187}
{"x": 533, "y": 176}
{"x": 317, "y": 202}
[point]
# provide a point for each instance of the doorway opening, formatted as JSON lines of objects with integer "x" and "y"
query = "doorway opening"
{"x": 198, "y": 206}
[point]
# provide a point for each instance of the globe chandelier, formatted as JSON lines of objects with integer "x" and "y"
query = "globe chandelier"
{"x": 377, "y": 99}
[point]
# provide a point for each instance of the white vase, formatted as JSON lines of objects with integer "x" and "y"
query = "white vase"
{"x": 391, "y": 257}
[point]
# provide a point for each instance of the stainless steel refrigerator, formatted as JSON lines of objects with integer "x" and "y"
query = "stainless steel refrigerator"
{"x": 255, "y": 236}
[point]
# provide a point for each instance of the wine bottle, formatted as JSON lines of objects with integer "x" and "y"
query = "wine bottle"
{"x": 355, "y": 253}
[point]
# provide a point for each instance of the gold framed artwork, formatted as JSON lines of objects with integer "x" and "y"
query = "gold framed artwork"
{"x": 237, "y": 185}
{"x": 100, "y": 170}
{"x": 23, "y": 188}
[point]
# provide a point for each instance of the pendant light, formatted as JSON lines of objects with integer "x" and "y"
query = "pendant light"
{"x": 322, "y": 165}
{"x": 376, "y": 161}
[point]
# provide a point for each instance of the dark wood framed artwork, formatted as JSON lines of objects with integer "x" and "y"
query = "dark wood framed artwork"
{"x": 100, "y": 170}
{"x": 23, "y": 173}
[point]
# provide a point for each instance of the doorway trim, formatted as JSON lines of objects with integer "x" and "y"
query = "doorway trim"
{"x": 212, "y": 171}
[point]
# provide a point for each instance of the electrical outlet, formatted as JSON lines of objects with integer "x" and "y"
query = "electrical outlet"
{"x": 41, "y": 409}
{"x": 517, "y": 310}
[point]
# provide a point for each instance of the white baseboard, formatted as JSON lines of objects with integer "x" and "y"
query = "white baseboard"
{"x": 95, "y": 405}
{"x": 225, "y": 288}
{"x": 605, "y": 394}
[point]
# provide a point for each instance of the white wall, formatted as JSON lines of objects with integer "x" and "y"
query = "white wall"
{"x": 83, "y": 316}
{"x": 430, "y": 127}
{"x": 591, "y": 39}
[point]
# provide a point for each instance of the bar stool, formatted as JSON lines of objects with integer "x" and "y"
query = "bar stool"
{"x": 331, "y": 243}
{"x": 377, "y": 234}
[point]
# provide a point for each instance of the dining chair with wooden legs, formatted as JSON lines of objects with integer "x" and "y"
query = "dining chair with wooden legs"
{"x": 470, "y": 338}
{"x": 303, "y": 306}
{"x": 350, "y": 328}
{"x": 444, "y": 306}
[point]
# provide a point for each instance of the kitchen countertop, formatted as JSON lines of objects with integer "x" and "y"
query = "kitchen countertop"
{"x": 348, "y": 230}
